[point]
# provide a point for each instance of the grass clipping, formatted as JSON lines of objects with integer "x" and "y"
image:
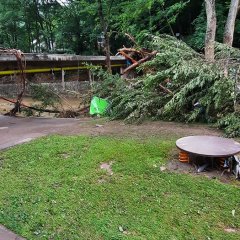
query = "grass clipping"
{"x": 180, "y": 85}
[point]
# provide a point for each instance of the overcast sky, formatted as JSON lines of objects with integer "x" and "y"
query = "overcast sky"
{"x": 62, "y": 2}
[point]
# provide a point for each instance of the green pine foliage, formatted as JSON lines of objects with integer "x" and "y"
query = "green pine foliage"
{"x": 231, "y": 124}
{"x": 191, "y": 79}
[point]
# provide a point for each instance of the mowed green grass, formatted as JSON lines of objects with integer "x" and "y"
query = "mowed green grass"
{"x": 53, "y": 188}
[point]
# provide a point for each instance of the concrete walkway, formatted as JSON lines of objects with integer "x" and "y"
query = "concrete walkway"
{"x": 17, "y": 130}
{"x": 6, "y": 234}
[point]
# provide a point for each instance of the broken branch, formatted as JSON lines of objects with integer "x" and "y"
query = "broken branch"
{"x": 129, "y": 50}
{"x": 45, "y": 110}
{"x": 133, "y": 66}
{"x": 165, "y": 89}
{"x": 131, "y": 38}
{"x": 127, "y": 56}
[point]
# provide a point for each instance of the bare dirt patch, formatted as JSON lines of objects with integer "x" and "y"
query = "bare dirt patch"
{"x": 166, "y": 130}
{"x": 187, "y": 168}
{"x": 108, "y": 167}
{"x": 231, "y": 230}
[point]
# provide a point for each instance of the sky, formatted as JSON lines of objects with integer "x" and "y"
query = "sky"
{"x": 62, "y": 2}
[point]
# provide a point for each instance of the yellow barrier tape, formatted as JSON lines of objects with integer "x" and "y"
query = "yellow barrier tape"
{"x": 42, "y": 70}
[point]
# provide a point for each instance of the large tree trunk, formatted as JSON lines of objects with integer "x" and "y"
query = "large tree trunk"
{"x": 104, "y": 23}
{"x": 107, "y": 50}
{"x": 230, "y": 24}
{"x": 211, "y": 30}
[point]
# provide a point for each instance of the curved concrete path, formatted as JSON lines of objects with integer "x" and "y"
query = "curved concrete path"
{"x": 17, "y": 130}
{"x": 6, "y": 234}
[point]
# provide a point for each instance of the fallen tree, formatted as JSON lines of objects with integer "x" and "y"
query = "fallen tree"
{"x": 180, "y": 85}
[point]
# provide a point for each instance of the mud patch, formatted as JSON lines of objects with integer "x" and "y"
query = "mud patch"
{"x": 176, "y": 166}
{"x": 187, "y": 168}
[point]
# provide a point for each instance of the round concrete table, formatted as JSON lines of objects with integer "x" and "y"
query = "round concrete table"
{"x": 208, "y": 146}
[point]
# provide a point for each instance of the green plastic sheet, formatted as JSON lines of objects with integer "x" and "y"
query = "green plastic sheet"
{"x": 98, "y": 106}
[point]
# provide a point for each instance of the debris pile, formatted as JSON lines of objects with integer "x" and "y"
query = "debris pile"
{"x": 136, "y": 57}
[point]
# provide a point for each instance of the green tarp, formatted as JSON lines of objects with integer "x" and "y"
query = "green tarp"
{"x": 98, "y": 106}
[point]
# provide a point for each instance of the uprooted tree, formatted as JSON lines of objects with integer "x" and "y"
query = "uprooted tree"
{"x": 178, "y": 84}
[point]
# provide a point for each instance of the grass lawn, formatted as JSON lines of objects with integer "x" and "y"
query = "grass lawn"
{"x": 53, "y": 188}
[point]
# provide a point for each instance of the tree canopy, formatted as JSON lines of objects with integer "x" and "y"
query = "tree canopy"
{"x": 74, "y": 25}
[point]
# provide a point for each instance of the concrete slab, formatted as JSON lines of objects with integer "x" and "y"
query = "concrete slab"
{"x": 6, "y": 234}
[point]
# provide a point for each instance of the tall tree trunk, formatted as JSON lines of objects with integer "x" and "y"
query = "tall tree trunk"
{"x": 211, "y": 30}
{"x": 107, "y": 49}
{"x": 28, "y": 27}
{"x": 104, "y": 23}
{"x": 230, "y": 24}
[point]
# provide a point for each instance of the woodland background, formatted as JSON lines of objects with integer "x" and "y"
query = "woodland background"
{"x": 74, "y": 26}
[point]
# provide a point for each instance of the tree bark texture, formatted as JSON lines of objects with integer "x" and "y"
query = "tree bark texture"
{"x": 104, "y": 24}
{"x": 230, "y": 24}
{"x": 211, "y": 30}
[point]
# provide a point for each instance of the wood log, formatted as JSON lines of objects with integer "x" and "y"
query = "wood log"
{"x": 133, "y": 66}
{"x": 127, "y": 56}
{"x": 142, "y": 52}
{"x": 127, "y": 50}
